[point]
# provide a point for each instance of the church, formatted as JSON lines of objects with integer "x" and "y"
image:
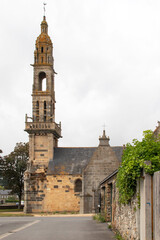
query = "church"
{"x": 60, "y": 179}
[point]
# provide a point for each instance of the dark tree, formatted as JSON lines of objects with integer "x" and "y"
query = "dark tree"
{"x": 13, "y": 167}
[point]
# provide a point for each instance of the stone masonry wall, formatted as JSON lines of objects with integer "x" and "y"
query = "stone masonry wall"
{"x": 124, "y": 218}
{"x": 102, "y": 163}
{"x": 60, "y": 194}
{"x": 52, "y": 193}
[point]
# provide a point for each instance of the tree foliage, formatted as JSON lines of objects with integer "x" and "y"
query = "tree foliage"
{"x": 133, "y": 161}
{"x": 13, "y": 167}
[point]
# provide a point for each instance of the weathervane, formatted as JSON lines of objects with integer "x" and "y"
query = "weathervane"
{"x": 44, "y": 4}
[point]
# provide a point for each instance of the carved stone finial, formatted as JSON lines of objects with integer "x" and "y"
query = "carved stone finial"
{"x": 104, "y": 141}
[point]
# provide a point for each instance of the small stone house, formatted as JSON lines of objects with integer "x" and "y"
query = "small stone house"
{"x": 5, "y": 194}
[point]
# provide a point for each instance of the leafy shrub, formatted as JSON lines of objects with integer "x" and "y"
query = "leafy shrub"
{"x": 133, "y": 162}
{"x": 11, "y": 199}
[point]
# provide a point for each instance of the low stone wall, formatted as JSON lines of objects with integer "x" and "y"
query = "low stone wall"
{"x": 125, "y": 219}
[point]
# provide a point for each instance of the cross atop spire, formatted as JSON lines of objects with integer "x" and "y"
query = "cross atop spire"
{"x": 44, "y": 8}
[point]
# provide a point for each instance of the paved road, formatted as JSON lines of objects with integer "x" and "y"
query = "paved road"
{"x": 53, "y": 228}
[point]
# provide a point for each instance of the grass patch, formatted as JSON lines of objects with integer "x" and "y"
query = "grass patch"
{"x": 118, "y": 236}
{"x": 13, "y": 213}
{"x": 11, "y": 210}
{"x": 109, "y": 226}
{"x": 5, "y": 214}
{"x": 99, "y": 218}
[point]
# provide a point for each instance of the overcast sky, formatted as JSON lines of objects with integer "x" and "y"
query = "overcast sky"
{"x": 107, "y": 56}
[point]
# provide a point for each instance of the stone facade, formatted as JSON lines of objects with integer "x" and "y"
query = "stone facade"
{"x": 103, "y": 162}
{"x": 53, "y": 193}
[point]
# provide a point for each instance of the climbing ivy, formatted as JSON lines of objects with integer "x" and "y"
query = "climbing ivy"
{"x": 133, "y": 161}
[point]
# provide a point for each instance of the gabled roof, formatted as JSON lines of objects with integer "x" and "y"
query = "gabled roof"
{"x": 73, "y": 160}
{"x": 118, "y": 151}
{"x": 70, "y": 160}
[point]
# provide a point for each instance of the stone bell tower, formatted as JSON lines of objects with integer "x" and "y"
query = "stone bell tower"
{"x": 43, "y": 131}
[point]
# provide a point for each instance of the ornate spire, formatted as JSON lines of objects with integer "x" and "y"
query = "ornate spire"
{"x": 43, "y": 54}
{"x": 44, "y": 26}
{"x": 104, "y": 141}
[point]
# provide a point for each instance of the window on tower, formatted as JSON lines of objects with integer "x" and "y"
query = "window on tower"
{"x": 45, "y": 108}
{"x": 41, "y": 49}
{"x": 42, "y": 81}
{"x": 37, "y": 111}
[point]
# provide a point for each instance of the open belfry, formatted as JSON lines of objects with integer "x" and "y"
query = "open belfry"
{"x": 60, "y": 179}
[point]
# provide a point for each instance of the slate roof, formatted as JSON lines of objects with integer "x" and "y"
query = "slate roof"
{"x": 70, "y": 160}
{"x": 73, "y": 160}
{"x": 118, "y": 151}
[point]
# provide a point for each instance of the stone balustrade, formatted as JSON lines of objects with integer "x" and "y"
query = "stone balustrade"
{"x": 40, "y": 126}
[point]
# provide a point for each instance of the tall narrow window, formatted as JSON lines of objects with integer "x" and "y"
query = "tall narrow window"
{"x": 45, "y": 111}
{"x": 42, "y": 81}
{"x": 37, "y": 111}
{"x": 41, "y": 49}
{"x": 44, "y": 84}
{"x": 41, "y": 59}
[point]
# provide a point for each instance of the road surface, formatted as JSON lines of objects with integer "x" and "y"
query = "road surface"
{"x": 53, "y": 228}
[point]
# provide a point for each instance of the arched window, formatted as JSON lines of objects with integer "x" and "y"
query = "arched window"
{"x": 78, "y": 185}
{"x": 45, "y": 107}
{"x": 42, "y": 81}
